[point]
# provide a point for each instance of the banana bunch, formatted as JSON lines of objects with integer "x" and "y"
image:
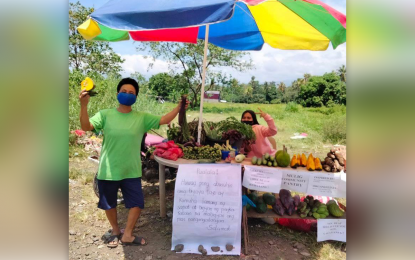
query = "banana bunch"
{"x": 88, "y": 85}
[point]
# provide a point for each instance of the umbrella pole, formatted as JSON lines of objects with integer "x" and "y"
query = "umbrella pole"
{"x": 199, "y": 129}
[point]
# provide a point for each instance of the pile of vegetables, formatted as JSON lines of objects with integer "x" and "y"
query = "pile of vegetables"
{"x": 314, "y": 208}
{"x": 261, "y": 202}
{"x": 185, "y": 132}
{"x": 168, "y": 150}
{"x": 212, "y": 130}
{"x": 231, "y": 123}
{"x": 286, "y": 203}
{"x": 312, "y": 163}
{"x": 207, "y": 152}
{"x": 334, "y": 162}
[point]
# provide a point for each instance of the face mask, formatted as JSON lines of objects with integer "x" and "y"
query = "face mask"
{"x": 248, "y": 122}
{"x": 126, "y": 99}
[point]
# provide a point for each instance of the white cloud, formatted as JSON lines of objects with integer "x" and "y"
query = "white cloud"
{"x": 138, "y": 63}
{"x": 282, "y": 65}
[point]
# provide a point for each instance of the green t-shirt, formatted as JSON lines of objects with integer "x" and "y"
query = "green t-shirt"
{"x": 123, "y": 132}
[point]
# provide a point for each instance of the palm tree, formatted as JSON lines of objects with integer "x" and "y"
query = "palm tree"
{"x": 342, "y": 73}
{"x": 307, "y": 76}
{"x": 281, "y": 86}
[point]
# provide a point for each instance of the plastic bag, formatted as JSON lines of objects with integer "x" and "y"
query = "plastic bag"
{"x": 305, "y": 225}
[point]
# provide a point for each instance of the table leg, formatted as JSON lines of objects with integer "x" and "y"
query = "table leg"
{"x": 245, "y": 228}
{"x": 162, "y": 190}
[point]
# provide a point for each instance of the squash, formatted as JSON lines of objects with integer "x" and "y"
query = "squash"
{"x": 298, "y": 160}
{"x": 317, "y": 164}
{"x": 294, "y": 163}
{"x": 310, "y": 163}
{"x": 87, "y": 84}
{"x": 303, "y": 160}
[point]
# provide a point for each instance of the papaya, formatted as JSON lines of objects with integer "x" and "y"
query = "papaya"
{"x": 303, "y": 160}
{"x": 261, "y": 208}
{"x": 283, "y": 158}
{"x": 335, "y": 210}
{"x": 269, "y": 199}
{"x": 310, "y": 163}
{"x": 293, "y": 163}
{"x": 317, "y": 164}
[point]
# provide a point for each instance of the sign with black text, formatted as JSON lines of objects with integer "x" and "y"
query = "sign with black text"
{"x": 262, "y": 179}
{"x": 323, "y": 184}
{"x": 208, "y": 208}
{"x": 331, "y": 229}
{"x": 295, "y": 181}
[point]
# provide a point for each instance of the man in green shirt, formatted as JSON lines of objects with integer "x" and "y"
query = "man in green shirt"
{"x": 120, "y": 160}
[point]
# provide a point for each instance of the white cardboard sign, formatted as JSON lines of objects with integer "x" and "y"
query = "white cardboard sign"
{"x": 331, "y": 229}
{"x": 323, "y": 184}
{"x": 295, "y": 181}
{"x": 208, "y": 208}
{"x": 262, "y": 179}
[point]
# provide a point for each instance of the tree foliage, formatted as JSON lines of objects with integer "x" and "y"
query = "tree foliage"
{"x": 189, "y": 59}
{"x": 323, "y": 90}
{"x": 89, "y": 56}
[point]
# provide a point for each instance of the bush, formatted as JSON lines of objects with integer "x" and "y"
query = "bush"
{"x": 276, "y": 101}
{"x": 334, "y": 130}
{"x": 291, "y": 107}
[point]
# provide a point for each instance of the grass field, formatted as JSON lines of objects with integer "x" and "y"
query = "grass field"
{"x": 324, "y": 126}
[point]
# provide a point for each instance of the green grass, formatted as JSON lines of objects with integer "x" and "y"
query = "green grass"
{"x": 324, "y": 126}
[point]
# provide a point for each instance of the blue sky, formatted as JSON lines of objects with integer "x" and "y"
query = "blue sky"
{"x": 270, "y": 64}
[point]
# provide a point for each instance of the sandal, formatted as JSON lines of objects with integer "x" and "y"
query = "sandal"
{"x": 135, "y": 242}
{"x": 113, "y": 238}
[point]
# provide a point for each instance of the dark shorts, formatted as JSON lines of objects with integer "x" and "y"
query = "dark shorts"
{"x": 131, "y": 192}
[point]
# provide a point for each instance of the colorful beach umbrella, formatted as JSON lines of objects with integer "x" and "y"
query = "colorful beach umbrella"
{"x": 230, "y": 24}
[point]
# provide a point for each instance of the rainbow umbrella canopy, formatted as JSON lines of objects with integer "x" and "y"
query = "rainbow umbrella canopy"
{"x": 230, "y": 24}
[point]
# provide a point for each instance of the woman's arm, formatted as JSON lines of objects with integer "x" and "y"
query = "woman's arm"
{"x": 84, "y": 117}
{"x": 271, "y": 130}
{"x": 167, "y": 118}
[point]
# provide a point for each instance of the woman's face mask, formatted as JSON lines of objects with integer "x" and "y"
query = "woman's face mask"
{"x": 126, "y": 99}
{"x": 248, "y": 122}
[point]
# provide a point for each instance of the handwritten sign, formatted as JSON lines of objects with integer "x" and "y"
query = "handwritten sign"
{"x": 323, "y": 184}
{"x": 208, "y": 208}
{"x": 331, "y": 229}
{"x": 262, "y": 179}
{"x": 295, "y": 181}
